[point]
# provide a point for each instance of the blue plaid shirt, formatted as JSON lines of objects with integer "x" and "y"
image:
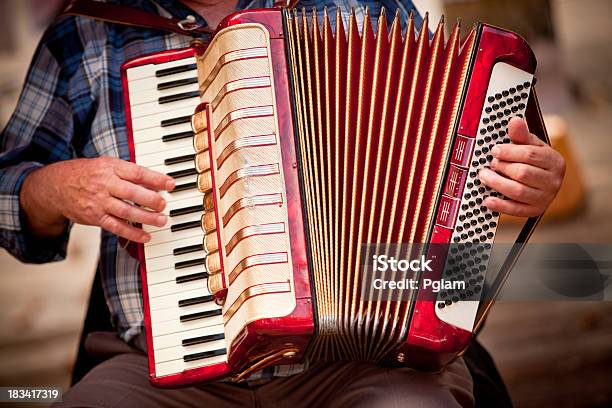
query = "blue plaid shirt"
{"x": 71, "y": 106}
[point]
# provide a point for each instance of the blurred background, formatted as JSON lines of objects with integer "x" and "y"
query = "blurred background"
{"x": 550, "y": 354}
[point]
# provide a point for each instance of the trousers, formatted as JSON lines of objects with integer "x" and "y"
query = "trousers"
{"x": 122, "y": 381}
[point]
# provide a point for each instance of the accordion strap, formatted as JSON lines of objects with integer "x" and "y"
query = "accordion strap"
{"x": 134, "y": 17}
{"x": 130, "y": 16}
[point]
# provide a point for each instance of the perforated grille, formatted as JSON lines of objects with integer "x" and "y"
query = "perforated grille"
{"x": 475, "y": 227}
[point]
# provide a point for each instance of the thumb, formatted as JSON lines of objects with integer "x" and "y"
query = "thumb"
{"x": 519, "y": 133}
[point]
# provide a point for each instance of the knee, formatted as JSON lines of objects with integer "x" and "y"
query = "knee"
{"x": 402, "y": 388}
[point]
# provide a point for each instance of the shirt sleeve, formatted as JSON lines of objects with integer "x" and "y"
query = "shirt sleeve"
{"x": 39, "y": 132}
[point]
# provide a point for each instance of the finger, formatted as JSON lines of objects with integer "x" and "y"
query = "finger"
{"x": 511, "y": 207}
{"x": 150, "y": 179}
{"x": 123, "y": 229}
{"x": 518, "y": 130}
{"x": 510, "y": 188}
{"x": 539, "y": 156}
{"x": 132, "y": 192}
{"x": 125, "y": 211}
{"x": 523, "y": 173}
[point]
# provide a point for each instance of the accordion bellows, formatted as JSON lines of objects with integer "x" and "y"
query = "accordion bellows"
{"x": 312, "y": 141}
{"x": 375, "y": 115}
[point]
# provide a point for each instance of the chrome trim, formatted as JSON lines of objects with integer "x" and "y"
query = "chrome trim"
{"x": 245, "y": 83}
{"x": 258, "y": 259}
{"x": 265, "y": 199}
{"x": 244, "y": 113}
{"x": 262, "y": 229}
{"x": 261, "y": 289}
{"x": 245, "y": 142}
{"x": 257, "y": 52}
{"x": 251, "y": 171}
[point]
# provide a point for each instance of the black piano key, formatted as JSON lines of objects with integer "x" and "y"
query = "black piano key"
{"x": 186, "y": 249}
{"x": 191, "y": 277}
{"x": 178, "y": 97}
{"x": 179, "y": 82}
{"x": 175, "y": 70}
{"x": 189, "y": 263}
{"x": 183, "y": 187}
{"x": 183, "y": 173}
{"x": 200, "y": 315}
{"x": 179, "y": 159}
{"x": 195, "y": 300}
{"x": 177, "y": 136}
{"x": 176, "y": 121}
{"x": 203, "y": 339}
{"x": 206, "y": 354}
{"x": 185, "y": 225}
{"x": 186, "y": 210}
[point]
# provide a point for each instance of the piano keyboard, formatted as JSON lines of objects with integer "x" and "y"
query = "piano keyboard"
{"x": 186, "y": 324}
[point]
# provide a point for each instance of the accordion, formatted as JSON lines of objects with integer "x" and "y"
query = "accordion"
{"x": 296, "y": 142}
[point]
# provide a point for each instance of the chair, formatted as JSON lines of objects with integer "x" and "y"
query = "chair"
{"x": 489, "y": 388}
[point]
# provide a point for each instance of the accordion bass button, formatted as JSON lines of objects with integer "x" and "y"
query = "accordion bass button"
{"x": 205, "y": 182}
{"x": 208, "y": 221}
{"x": 202, "y": 162}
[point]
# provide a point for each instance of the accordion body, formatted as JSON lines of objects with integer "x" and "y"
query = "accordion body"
{"x": 299, "y": 143}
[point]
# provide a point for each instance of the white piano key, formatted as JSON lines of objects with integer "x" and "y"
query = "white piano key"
{"x": 157, "y": 145}
{"x": 154, "y": 120}
{"x": 162, "y": 168}
{"x": 171, "y": 287}
{"x": 167, "y": 262}
{"x": 187, "y": 202}
{"x": 157, "y": 132}
{"x": 150, "y": 83}
{"x": 177, "y": 366}
{"x": 172, "y": 314}
{"x": 176, "y": 326}
{"x": 175, "y": 339}
{"x": 154, "y": 108}
{"x": 169, "y": 273}
{"x": 156, "y": 251}
{"x": 158, "y": 158}
{"x": 180, "y": 219}
{"x": 152, "y": 94}
{"x": 149, "y": 70}
{"x": 173, "y": 299}
{"x": 181, "y": 195}
{"x": 178, "y": 352}
{"x": 162, "y": 236}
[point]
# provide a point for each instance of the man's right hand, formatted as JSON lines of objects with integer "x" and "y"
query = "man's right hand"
{"x": 95, "y": 192}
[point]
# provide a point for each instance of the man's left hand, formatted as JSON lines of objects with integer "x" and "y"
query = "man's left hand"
{"x": 528, "y": 172}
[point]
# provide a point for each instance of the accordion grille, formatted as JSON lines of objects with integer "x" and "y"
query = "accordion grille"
{"x": 375, "y": 113}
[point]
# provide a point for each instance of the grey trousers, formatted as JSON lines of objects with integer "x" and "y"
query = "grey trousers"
{"x": 122, "y": 381}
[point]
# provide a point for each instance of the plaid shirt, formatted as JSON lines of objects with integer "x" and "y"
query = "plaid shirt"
{"x": 71, "y": 106}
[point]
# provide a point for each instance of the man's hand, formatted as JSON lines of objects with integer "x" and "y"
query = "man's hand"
{"x": 528, "y": 172}
{"x": 95, "y": 192}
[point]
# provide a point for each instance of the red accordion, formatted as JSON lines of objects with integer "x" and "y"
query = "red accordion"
{"x": 293, "y": 144}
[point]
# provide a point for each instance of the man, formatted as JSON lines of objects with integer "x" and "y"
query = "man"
{"x": 63, "y": 160}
